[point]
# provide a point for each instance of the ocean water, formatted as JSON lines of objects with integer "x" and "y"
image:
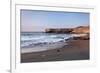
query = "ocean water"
{"x": 40, "y": 41}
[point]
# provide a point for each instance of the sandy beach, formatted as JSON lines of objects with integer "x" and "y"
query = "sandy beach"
{"x": 54, "y": 36}
{"x": 74, "y": 50}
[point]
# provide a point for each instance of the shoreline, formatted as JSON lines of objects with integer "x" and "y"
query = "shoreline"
{"x": 44, "y": 47}
{"x": 74, "y": 50}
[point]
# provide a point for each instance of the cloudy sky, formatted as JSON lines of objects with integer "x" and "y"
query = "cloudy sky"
{"x": 36, "y": 21}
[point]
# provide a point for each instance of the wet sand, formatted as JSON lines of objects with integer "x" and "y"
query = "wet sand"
{"x": 74, "y": 50}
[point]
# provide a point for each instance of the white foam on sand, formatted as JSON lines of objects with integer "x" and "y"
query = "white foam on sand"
{"x": 43, "y": 47}
{"x": 79, "y": 35}
{"x": 33, "y": 41}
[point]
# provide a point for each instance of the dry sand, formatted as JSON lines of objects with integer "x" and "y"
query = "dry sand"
{"x": 75, "y": 50}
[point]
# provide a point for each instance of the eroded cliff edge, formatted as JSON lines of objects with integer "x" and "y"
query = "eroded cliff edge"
{"x": 76, "y": 30}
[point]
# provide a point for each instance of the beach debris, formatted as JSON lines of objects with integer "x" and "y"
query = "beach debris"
{"x": 58, "y": 50}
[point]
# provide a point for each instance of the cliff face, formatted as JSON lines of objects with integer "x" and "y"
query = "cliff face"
{"x": 65, "y": 30}
{"x": 77, "y": 30}
{"x": 81, "y": 29}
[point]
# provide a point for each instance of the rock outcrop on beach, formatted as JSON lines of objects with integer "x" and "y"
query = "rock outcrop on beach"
{"x": 77, "y": 30}
{"x": 85, "y": 37}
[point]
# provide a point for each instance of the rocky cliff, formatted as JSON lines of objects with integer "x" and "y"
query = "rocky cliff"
{"x": 77, "y": 30}
{"x": 64, "y": 30}
{"x": 81, "y": 29}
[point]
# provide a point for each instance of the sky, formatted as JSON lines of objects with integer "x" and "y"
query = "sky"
{"x": 36, "y": 20}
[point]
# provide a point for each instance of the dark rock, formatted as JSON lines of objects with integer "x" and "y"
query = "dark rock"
{"x": 82, "y": 37}
{"x": 77, "y": 30}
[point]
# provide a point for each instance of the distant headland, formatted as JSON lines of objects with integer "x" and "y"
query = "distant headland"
{"x": 76, "y": 30}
